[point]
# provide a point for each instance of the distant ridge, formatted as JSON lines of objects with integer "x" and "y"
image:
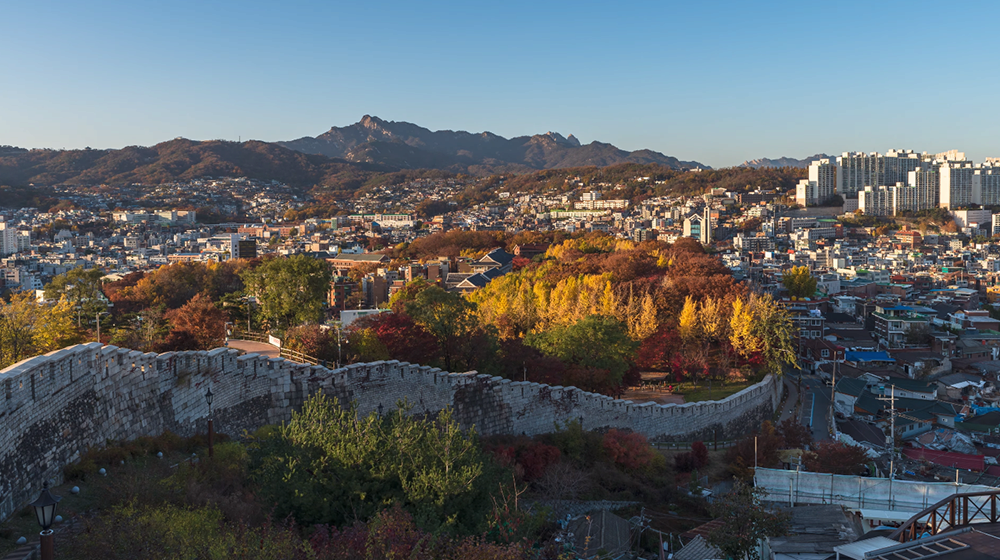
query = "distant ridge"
{"x": 782, "y": 162}
{"x": 408, "y": 146}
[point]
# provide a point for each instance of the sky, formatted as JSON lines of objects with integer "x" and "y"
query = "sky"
{"x": 717, "y": 82}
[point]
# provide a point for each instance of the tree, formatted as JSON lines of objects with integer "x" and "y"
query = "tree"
{"x": 201, "y": 318}
{"x": 799, "y": 282}
{"x": 594, "y": 343}
{"x": 760, "y": 326}
{"x": 82, "y": 289}
{"x": 745, "y": 522}
{"x": 794, "y": 435}
{"x": 919, "y": 334}
{"x": 28, "y": 328}
{"x": 290, "y": 290}
{"x": 765, "y": 442}
{"x": 330, "y": 465}
{"x": 836, "y": 458}
{"x": 449, "y": 317}
{"x": 687, "y": 323}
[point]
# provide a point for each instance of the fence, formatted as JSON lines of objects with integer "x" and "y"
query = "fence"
{"x": 300, "y": 357}
{"x": 679, "y": 445}
{"x": 283, "y": 352}
{"x": 251, "y": 336}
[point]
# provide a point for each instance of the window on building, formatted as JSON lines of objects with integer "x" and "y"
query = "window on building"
{"x": 825, "y": 353}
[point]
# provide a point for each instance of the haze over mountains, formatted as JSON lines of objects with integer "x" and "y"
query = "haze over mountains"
{"x": 782, "y": 162}
{"x": 408, "y": 146}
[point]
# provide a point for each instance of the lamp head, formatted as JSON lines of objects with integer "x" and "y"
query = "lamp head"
{"x": 45, "y": 507}
{"x": 209, "y": 396}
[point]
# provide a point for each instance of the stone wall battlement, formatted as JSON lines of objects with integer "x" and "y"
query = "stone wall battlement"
{"x": 54, "y": 407}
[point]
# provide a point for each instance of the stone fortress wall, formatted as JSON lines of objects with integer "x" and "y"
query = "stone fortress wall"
{"x": 53, "y": 407}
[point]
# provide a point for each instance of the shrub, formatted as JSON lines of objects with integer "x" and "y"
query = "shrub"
{"x": 700, "y": 454}
{"x": 536, "y": 458}
{"x": 630, "y": 451}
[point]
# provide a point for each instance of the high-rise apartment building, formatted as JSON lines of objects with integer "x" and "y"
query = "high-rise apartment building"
{"x": 821, "y": 185}
{"x": 877, "y": 201}
{"x": 8, "y": 239}
{"x": 989, "y": 184}
{"x": 960, "y": 185}
{"x": 857, "y": 170}
{"x": 926, "y": 179}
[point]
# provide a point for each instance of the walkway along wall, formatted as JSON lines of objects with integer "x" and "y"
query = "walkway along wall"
{"x": 53, "y": 407}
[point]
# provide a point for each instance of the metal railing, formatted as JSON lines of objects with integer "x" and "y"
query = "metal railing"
{"x": 950, "y": 513}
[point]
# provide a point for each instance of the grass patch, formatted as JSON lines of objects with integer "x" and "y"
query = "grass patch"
{"x": 702, "y": 392}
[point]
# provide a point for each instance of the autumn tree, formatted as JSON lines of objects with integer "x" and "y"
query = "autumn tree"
{"x": 202, "y": 319}
{"x": 290, "y": 290}
{"x": 794, "y": 434}
{"x": 29, "y": 328}
{"x": 745, "y": 521}
{"x": 836, "y": 458}
{"x": 799, "y": 282}
{"x": 688, "y": 326}
{"x": 758, "y": 325}
{"x": 765, "y": 443}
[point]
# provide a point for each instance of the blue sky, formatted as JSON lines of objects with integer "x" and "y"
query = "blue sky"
{"x": 717, "y": 82}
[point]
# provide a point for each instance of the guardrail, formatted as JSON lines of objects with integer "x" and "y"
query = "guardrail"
{"x": 950, "y": 513}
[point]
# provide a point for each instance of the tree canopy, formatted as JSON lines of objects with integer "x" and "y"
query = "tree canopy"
{"x": 290, "y": 290}
{"x": 799, "y": 282}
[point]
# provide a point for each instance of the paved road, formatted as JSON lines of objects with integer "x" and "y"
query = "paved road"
{"x": 254, "y": 347}
{"x": 816, "y": 406}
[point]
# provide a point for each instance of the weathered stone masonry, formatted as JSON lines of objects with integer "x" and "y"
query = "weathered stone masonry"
{"x": 53, "y": 407}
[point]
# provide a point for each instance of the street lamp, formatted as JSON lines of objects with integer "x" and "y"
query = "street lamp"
{"x": 211, "y": 431}
{"x": 45, "y": 512}
{"x": 99, "y": 313}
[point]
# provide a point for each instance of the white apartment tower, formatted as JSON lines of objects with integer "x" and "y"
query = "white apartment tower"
{"x": 877, "y": 201}
{"x": 8, "y": 239}
{"x": 857, "y": 170}
{"x": 821, "y": 185}
{"x": 960, "y": 185}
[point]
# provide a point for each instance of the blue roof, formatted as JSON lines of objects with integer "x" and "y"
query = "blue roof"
{"x": 868, "y": 357}
{"x": 898, "y": 308}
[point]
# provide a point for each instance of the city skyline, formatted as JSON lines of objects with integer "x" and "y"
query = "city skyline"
{"x": 718, "y": 84}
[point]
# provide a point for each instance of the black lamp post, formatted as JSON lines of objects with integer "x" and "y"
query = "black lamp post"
{"x": 379, "y": 410}
{"x": 211, "y": 431}
{"x": 45, "y": 512}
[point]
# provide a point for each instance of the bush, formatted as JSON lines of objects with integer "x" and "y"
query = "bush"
{"x": 693, "y": 460}
{"x": 630, "y": 451}
{"x": 326, "y": 465}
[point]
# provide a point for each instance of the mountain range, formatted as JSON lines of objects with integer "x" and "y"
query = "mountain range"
{"x": 782, "y": 162}
{"x": 344, "y": 157}
{"x": 408, "y": 146}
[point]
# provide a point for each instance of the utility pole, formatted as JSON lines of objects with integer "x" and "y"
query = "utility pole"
{"x": 890, "y": 439}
